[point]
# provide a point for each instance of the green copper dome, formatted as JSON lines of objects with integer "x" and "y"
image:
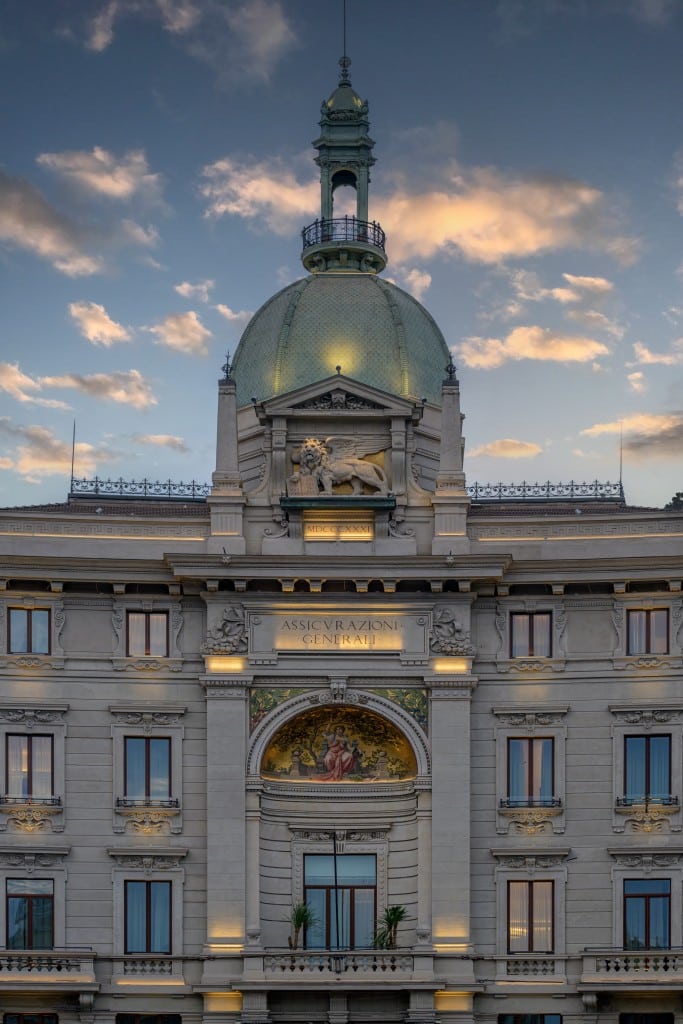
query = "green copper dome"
{"x": 374, "y": 331}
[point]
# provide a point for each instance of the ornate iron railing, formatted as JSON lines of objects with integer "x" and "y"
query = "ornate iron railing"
{"x": 98, "y": 488}
{"x": 49, "y": 801}
{"x": 344, "y": 229}
{"x": 666, "y": 800}
{"x": 124, "y": 801}
{"x": 572, "y": 491}
{"x": 547, "y": 801}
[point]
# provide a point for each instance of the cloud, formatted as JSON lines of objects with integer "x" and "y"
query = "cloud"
{"x": 480, "y": 214}
{"x": 637, "y": 382}
{"x": 183, "y": 332}
{"x": 416, "y": 281}
{"x": 528, "y": 287}
{"x": 39, "y": 453}
{"x": 238, "y": 40}
{"x": 100, "y": 28}
{"x": 96, "y": 325}
{"x": 595, "y": 285}
{"x": 29, "y": 222}
{"x": 140, "y": 235}
{"x": 242, "y": 317}
{"x": 176, "y": 444}
{"x": 645, "y": 357}
{"x": 102, "y": 174}
{"x": 195, "y": 291}
{"x": 596, "y": 320}
{"x": 507, "y": 448}
{"x": 653, "y": 12}
{"x": 128, "y": 388}
{"x": 532, "y": 342}
{"x": 265, "y": 191}
{"x": 655, "y": 434}
{"x": 22, "y": 387}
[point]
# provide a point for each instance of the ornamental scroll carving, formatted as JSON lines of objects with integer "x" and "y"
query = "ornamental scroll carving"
{"x": 448, "y": 635}
{"x": 338, "y": 398}
{"x": 230, "y": 636}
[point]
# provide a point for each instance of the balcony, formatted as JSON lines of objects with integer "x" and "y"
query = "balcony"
{"x": 31, "y": 814}
{"x": 344, "y": 243}
{"x": 148, "y": 817}
{"x": 646, "y": 813}
{"x": 368, "y": 963}
{"x": 49, "y": 970}
{"x": 632, "y": 969}
{"x": 360, "y": 968}
{"x": 531, "y": 968}
{"x": 531, "y": 816}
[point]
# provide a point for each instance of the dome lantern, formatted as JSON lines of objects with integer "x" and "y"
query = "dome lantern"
{"x": 344, "y": 158}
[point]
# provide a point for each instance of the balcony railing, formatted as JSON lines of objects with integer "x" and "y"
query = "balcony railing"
{"x": 528, "y": 967}
{"x": 162, "y": 489}
{"x": 124, "y": 801}
{"x": 361, "y": 963}
{"x": 344, "y": 229}
{"x": 632, "y": 967}
{"x": 647, "y": 801}
{"x": 549, "y": 801}
{"x": 27, "y": 801}
{"x": 593, "y": 490}
{"x": 56, "y": 968}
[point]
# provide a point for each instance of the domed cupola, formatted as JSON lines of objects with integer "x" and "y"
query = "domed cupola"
{"x": 345, "y": 158}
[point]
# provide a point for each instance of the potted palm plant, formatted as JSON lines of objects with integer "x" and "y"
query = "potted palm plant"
{"x": 386, "y": 936}
{"x": 302, "y": 916}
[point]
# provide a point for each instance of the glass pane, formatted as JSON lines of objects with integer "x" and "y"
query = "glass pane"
{"x": 40, "y": 638}
{"x": 518, "y": 917}
{"x": 136, "y": 634}
{"x": 17, "y": 922}
{"x": 356, "y": 869}
{"x": 159, "y": 765}
{"x": 18, "y": 631}
{"x": 41, "y": 752}
{"x": 635, "y": 767}
{"x": 17, "y": 765}
{"x": 541, "y": 624}
{"x": 634, "y": 923}
{"x": 160, "y": 917}
{"x": 660, "y": 762}
{"x": 659, "y": 631}
{"x": 364, "y": 918}
{"x": 315, "y": 933}
{"x": 659, "y": 922}
{"x": 518, "y": 770}
{"x": 136, "y": 917}
{"x": 520, "y": 635}
{"x": 30, "y": 886}
{"x": 42, "y": 922}
{"x": 157, "y": 634}
{"x": 543, "y": 770}
{"x": 637, "y": 632}
{"x": 340, "y": 919}
{"x": 135, "y": 768}
{"x": 319, "y": 869}
{"x": 647, "y": 886}
{"x": 543, "y": 917}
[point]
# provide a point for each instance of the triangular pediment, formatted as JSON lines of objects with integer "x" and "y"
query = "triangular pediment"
{"x": 339, "y": 395}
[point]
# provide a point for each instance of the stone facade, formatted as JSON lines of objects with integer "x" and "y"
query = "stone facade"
{"x": 337, "y": 683}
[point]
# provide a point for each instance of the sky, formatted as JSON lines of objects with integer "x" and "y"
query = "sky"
{"x": 156, "y": 171}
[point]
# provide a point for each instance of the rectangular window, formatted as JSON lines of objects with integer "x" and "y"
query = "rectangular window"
{"x": 530, "y": 917}
{"x": 647, "y": 769}
{"x": 147, "y": 768}
{"x": 30, "y": 913}
{"x": 148, "y": 917}
{"x": 648, "y": 631}
{"x": 28, "y": 631}
{"x": 29, "y": 766}
{"x": 530, "y": 1018}
{"x": 147, "y": 634}
{"x": 647, "y": 913}
{"x": 530, "y": 634}
{"x": 530, "y": 771}
{"x": 646, "y": 1018}
{"x": 341, "y": 893}
{"x": 30, "y": 1018}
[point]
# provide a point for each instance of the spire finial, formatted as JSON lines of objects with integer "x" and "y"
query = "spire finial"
{"x": 450, "y": 372}
{"x": 344, "y": 62}
{"x": 226, "y": 368}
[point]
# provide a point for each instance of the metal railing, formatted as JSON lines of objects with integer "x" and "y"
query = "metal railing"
{"x": 124, "y": 801}
{"x": 549, "y": 801}
{"x": 99, "y": 488}
{"x": 574, "y": 491}
{"x": 344, "y": 229}
{"x": 647, "y": 801}
{"x": 41, "y": 801}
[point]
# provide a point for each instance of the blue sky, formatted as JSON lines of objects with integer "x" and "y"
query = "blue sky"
{"x": 157, "y": 170}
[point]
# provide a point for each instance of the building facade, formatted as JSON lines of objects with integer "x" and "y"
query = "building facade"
{"x": 341, "y": 740}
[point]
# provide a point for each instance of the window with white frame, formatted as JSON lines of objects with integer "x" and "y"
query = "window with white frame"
{"x": 30, "y": 913}
{"x": 148, "y": 766}
{"x": 32, "y": 741}
{"x": 647, "y": 913}
{"x": 531, "y": 634}
{"x": 530, "y": 767}
{"x": 29, "y": 766}
{"x": 647, "y": 899}
{"x": 148, "y": 909}
{"x": 147, "y": 634}
{"x": 647, "y": 766}
{"x": 647, "y": 631}
{"x": 28, "y": 631}
{"x": 341, "y": 890}
{"x": 530, "y": 904}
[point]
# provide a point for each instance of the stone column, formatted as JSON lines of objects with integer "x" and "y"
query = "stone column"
{"x": 253, "y": 873}
{"x": 450, "y": 728}
{"x": 226, "y": 501}
{"x": 423, "y": 929}
{"x": 450, "y": 500}
{"x": 226, "y": 737}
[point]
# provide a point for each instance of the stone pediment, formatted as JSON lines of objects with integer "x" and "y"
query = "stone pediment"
{"x": 339, "y": 395}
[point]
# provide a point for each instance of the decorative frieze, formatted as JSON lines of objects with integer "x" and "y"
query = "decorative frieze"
{"x": 148, "y": 861}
